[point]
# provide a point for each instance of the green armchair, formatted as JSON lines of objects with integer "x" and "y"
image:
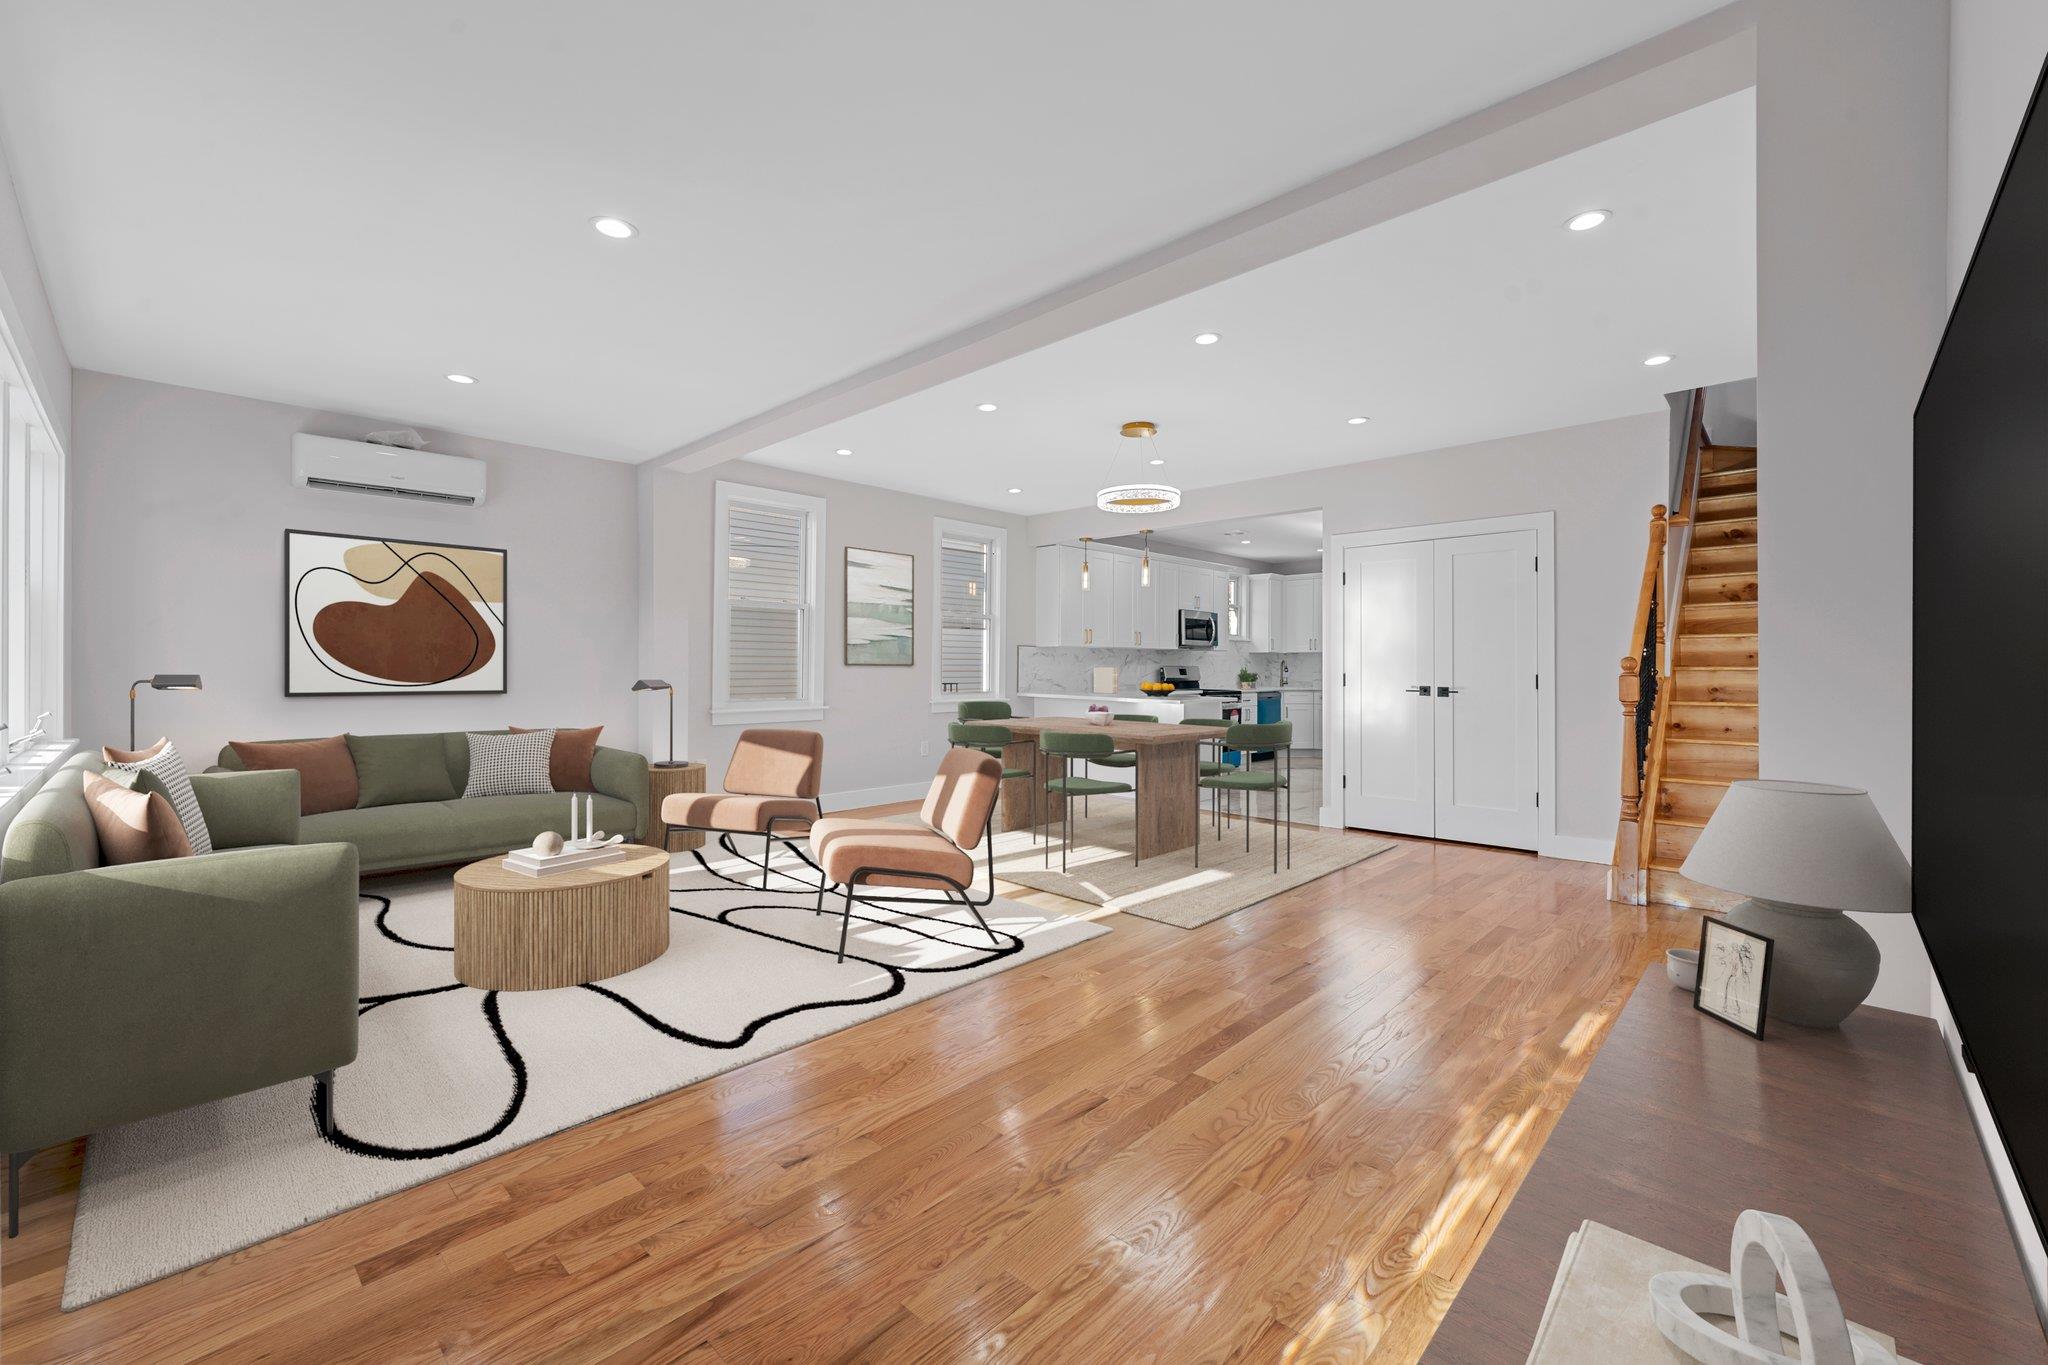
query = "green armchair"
{"x": 131, "y": 991}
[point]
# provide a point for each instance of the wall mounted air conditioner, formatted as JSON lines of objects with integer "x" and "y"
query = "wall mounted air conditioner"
{"x": 392, "y": 471}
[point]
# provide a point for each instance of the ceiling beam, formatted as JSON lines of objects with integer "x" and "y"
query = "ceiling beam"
{"x": 1692, "y": 65}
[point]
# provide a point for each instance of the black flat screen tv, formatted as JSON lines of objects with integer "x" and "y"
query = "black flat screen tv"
{"x": 1980, "y": 660}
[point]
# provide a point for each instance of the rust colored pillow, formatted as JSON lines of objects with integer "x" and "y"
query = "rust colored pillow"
{"x": 568, "y": 757}
{"x": 326, "y": 768}
{"x": 109, "y": 754}
{"x": 134, "y": 826}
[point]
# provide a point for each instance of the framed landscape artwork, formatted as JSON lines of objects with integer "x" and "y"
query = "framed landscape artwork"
{"x": 365, "y": 616}
{"x": 881, "y": 624}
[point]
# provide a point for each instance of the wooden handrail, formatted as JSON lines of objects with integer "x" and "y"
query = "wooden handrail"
{"x": 1659, "y": 598}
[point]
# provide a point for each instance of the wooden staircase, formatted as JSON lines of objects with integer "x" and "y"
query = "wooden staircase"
{"x": 1709, "y": 737}
{"x": 1692, "y": 666}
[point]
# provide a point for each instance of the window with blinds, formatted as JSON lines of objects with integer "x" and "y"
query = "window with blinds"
{"x": 970, "y": 608}
{"x": 768, "y": 647}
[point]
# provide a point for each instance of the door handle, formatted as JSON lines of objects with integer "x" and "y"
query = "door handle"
{"x": 1421, "y": 691}
{"x": 1448, "y": 691}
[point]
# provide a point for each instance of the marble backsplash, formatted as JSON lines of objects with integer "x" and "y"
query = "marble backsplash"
{"x": 1073, "y": 670}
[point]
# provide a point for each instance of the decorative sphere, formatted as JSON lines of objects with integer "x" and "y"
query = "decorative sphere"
{"x": 547, "y": 843}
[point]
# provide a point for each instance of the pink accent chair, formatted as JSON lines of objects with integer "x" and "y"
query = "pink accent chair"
{"x": 957, "y": 814}
{"x": 771, "y": 789}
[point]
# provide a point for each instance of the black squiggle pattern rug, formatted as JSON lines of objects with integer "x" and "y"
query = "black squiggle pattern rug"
{"x": 447, "y": 1075}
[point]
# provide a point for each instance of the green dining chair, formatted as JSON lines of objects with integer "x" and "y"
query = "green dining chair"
{"x": 1250, "y": 740}
{"x": 1126, "y": 759}
{"x": 1066, "y": 746}
{"x": 992, "y": 740}
{"x": 1213, "y": 766}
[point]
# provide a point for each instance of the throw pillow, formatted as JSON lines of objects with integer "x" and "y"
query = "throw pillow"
{"x": 326, "y": 769}
{"x": 134, "y": 826}
{"x": 569, "y": 759}
{"x": 509, "y": 765}
{"x": 398, "y": 770}
{"x": 161, "y": 768}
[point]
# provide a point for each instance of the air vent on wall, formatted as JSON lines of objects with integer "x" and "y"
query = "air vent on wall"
{"x": 388, "y": 471}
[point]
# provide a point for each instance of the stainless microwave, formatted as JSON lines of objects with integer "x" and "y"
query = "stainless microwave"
{"x": 1198, "y": 630}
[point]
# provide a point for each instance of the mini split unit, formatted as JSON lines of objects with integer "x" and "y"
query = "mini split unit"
{"x": 390, "y": 471}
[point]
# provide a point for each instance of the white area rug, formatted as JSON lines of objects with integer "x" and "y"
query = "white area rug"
{"x": 1170, "y": 888}
{"x": 447, "y": 1075}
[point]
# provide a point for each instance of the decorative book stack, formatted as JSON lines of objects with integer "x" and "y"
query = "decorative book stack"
{"x": 536, "y": 864}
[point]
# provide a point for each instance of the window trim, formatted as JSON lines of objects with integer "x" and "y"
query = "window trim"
{"x": 811, "y": 705}
{"x": 998, "y": 541}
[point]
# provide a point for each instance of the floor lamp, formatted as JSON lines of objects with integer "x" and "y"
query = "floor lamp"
{"x": 161, "y": 682}
{"x": 657, "y": 685}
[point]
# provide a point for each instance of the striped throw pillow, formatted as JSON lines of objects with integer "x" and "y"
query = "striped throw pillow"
{"x": 161, "y": 768}
{"x": 509, "y": 765}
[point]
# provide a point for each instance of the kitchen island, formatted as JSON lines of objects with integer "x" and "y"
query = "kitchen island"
{"x": 1170, "y": 708}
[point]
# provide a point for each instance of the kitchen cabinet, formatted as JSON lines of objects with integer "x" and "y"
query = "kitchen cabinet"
{"x": 1119, "y": 610}
{"x": 1300, "y": 627}
{"x": 1264, "y": 611}
{"x": 1305, "y": 710}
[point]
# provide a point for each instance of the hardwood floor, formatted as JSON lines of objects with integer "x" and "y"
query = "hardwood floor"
{"x": 1284, "y": 1135}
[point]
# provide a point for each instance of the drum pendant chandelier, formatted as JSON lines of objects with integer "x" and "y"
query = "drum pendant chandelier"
{"x": 1134, "y": 499}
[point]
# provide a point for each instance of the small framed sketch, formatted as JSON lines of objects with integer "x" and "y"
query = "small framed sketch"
{"x": 881, "y": 626}
{"x": 1735, "y": 976}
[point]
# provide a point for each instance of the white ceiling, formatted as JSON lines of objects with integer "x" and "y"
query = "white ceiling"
{"x": 1275, "y": 539}
{"x": 337, "y": 204}
{"x": 1474, "y": 318}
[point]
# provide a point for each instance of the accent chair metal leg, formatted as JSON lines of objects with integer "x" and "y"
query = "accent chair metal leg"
{"x": 767, "y": 857}
{"x": 323, "y": 1097}
{"x": 846, "y": 922}
{"x": 975, "y": 911}
{"x": 15, "y": 1161}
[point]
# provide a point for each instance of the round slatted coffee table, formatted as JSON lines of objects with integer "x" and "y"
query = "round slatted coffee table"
{"x": 519, "y": 933}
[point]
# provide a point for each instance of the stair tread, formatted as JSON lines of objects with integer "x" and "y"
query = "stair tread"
{"x": 1699, "y": 781}
{"x": 1663, "y": 820}
{"x": 1688, "y": 701}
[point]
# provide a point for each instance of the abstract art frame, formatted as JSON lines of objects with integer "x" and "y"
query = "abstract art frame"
{"x": 386, "y": 615}
{"x": 1734, "y": 982}
{"x": 881, "y": 608}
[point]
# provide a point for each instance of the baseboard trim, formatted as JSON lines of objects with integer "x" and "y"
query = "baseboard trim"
{"x": 1576, "y": 848}
{"x": 874, "y": 796}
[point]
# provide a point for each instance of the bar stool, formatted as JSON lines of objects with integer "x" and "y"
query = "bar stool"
{"x": 1277, "y": 736}
{"x": 1067, "y": 745}
{"x": 993, "y": 740}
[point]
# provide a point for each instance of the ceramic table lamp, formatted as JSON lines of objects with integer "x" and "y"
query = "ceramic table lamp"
{"x": 1803, "y": 853}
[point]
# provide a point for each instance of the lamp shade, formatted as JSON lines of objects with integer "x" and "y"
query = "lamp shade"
{"x": 175, "y": 682}
{"x": 1803, "y": 843}
{"x": 651, "y": 685}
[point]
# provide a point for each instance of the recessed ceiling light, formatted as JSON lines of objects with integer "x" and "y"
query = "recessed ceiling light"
{"x": 1357, "y": 421}
{"x": 1015, "y": 490}
{"x": 462, "y": 379}
{"x": 1658, "y": 360}
{"x": 984, "y": 407}
{"x": 1159, "y": 462}
{"x": 1244, "y": 542}
{"x": 615, "y": 227}
{"x": 1207, "y": 339}
{"x": 842, "y": 451}
{"x": 1587, "y": 221}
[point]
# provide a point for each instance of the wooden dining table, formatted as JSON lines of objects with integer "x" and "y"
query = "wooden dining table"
{"x": 1169, "y": 804}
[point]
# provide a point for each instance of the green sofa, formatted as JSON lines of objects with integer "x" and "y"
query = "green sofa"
{"x": 414, "y": 834}
{"x": 134, "y": 990}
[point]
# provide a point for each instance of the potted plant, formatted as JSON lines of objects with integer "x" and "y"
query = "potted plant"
{"x": 1246, "y": 679}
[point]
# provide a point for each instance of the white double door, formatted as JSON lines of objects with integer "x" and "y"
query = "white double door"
{"x": 1440, "y": 691}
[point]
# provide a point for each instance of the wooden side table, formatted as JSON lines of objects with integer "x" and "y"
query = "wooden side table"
{"x": 519, "y": 933}
{"x": 684, "y": 777}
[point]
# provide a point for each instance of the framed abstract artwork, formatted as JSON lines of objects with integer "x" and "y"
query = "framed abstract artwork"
{"x": 365, "y": 615}
{"x": 1735, "y": 975}
{"x": 881, "y": 623}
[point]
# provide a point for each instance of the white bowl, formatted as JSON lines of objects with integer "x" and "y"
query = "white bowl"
{"x": 1682, "y": 965}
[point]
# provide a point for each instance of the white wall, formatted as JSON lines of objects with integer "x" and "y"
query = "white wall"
{"x": 1852, "y": 175}
{"x": 1600, "y": 480}
{"x": 875, "y": 718}
{"x": 25, "y": 311}
{"x": 1996, "y": 48}
{"x": 179, "y": 503}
